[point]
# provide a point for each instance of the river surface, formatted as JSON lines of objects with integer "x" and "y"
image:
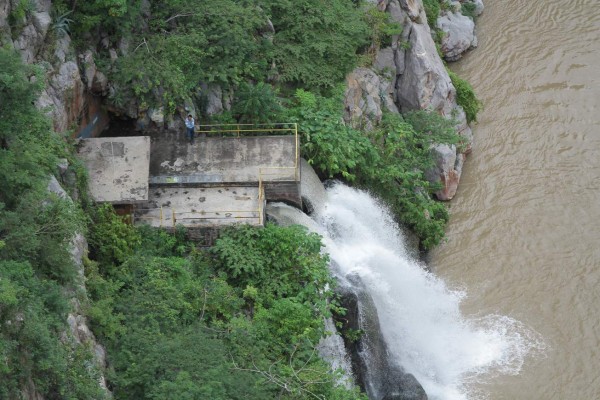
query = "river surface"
{"x": 524, "y": 235}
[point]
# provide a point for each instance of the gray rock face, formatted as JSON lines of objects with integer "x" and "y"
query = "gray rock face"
{"x": 409, "y": 75}
{"x": 65, "y": 95}
{"x": 362, "y": 103}
{"x": 88, "y": 65}
{"x": 425, "y": 84}
{"x": 214, "y": 98}
{"x": 379, "y": 376}
{"x": 459, "y": 35}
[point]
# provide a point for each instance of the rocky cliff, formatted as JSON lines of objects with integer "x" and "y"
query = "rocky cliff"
{"x": 30, "y": 30}
{"x": 410, "y": 75}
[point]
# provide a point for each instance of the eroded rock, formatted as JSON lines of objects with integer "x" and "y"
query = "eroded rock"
{"x": 459, "y": 35}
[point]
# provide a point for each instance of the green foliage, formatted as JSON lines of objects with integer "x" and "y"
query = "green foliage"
{"x": 391, "y": 161}
{"x": 40, "y": 228}
{"x": 177, "y": 46}
{"x": 159, "y": 242}
{"x": 328, "y": 144}
{"x": 465, "y": 97}
{"x": 111, "y": 239}
{"x": 382, "y": 28}
{"x": 468, "y": 10}
{"x": 187, "y": 363}
{"x": 432, "y": 10}
{"x": 32, "y": 313}
{"x": 252, "y": 257}
{"x": 16, "y": 18}
{"x": 399, "y": 175}
{"x": 256, "y": 104}
{"x": 217, "y": 325}
{"x": 180, "y": 45}
{"x": 62, "y": 24}
{"x": 315, "y": 45}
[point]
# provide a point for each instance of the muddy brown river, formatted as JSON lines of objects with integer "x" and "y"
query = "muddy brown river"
{"x": 524, "y": 236}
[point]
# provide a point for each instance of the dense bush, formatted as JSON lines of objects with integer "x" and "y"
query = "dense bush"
{"x": 175, "y": 46}
{"x": 315, "y": 45}
{"x": 240, "y": 321}
{"x": 256, "y": 104}
{"x": 465, "y": 97}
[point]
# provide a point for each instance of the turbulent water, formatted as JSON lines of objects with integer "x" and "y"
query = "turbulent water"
{"x": 419, "y": 315}
{"x": 524, "y": 232}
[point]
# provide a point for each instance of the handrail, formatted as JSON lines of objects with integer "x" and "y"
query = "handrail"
{"x": 243, "y": 128}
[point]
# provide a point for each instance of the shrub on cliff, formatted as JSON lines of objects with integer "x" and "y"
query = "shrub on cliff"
{"x": 465, "y": 97}
{"x": 36, "y": 229}
{"x": 432, "y": 10}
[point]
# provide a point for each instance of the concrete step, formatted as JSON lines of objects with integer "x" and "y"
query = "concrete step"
{"x": 202, "y": 207}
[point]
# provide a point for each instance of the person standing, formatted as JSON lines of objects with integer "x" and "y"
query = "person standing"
{"x": 189, "y": 126}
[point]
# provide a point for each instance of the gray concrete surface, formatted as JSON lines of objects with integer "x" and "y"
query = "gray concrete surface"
{"x": 118, "y": 168}
{"x": 222, "y": 160}
{"x": 201, "y": 207}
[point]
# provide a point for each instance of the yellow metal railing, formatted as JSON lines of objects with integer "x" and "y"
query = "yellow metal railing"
{"x": 243, "y": 129}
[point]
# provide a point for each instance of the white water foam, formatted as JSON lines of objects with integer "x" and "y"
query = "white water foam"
{"x": 420, "y": 316}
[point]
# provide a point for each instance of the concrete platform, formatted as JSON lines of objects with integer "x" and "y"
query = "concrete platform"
{"x": 118, "y": 168}
{"x": 214, "y": 161}
{"x": 202, "y": 207}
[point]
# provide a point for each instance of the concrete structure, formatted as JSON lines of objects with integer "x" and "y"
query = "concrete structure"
{"x": 118, "y": 168}
{"x": 228, "y": 161}
{"x": 202, "y": 207}
{"x": 222, "y": 160}
{"x": 215, "y": 182}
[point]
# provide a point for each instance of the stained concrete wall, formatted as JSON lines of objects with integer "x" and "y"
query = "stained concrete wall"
{"x": 222, "y": 160}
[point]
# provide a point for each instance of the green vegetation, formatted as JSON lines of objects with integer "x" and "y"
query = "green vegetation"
{"x": 468, "y": 10}
{"x": 257, "y": 104}
{"x": 465, "y": 97}
{"x": 35, "y": 231}
{"x": 432, "y": 10}
{"x": 390, "y": 161}
{"x": 175, "y": 45}
{"x": 239, "y": 321}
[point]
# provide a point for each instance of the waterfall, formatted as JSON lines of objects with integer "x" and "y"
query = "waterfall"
{"x": 419, "y": 317}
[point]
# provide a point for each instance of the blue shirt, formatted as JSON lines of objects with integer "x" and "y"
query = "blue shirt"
{"x": 189, "y": 123}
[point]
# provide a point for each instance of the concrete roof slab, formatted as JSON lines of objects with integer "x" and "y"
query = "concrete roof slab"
{"x": 118, "y": 168}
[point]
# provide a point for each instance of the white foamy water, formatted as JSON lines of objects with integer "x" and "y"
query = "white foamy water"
{"x": 420, "y": 316}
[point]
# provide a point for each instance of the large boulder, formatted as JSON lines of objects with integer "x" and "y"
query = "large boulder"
{"x": 447, "y": 170}
{"x": 367, "y": 96}
{"x": 459, "y": 35}
{"x": 216, "y": 99}
{"x": 380, "y": 376}
{"x": 423, "y": 82}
